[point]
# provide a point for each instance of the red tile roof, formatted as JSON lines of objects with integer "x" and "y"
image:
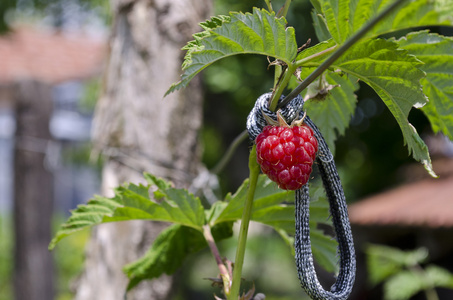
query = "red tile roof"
{"x": 427, "y": 203}
{"x": 49, "y": 56}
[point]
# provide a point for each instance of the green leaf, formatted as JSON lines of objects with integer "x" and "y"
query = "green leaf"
{"x": 268, "y": 207}
{"x": 274, "y": 207}
{"x": 439, "y": 277}
{"x": 175, "y": 205}
{"x": 435, "y": 51}
{"x": 183, "y": 207}
{"x": 320, "y": 26}
{"x": 335, "y": 14}
{"x": 169, "y": 250}
{"x": 345, "y": 17}
{"x": 132, "y": 202}
{"x": 324, "y": 250}
{"x": 395, "y": 76}
{"x": 319, "y": 206}
{"x": 166, "y": 254}
{"x": 324, "y": 247}
{"x": 384, "y": 261}
{"x": 403, "y": 285}
{"x": 415, "y": 13}
{"x": 85, "y": 216}
{"x": 332, "y": 103}
{"x": 402, "y": 272}
{"x": 257, "y": 33}
{"x": 332, "y": 112}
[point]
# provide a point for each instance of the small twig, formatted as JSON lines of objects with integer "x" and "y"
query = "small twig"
{"x": 224, "y": 274}
{"x": 299, "y": 50}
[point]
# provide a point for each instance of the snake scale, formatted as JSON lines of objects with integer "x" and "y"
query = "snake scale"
{"x": 337, "y": 202}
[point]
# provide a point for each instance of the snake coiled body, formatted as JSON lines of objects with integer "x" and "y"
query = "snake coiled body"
{"x": 337, "y": 201}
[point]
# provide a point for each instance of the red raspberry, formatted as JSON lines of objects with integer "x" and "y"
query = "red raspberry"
{"x": 286, "y": 154}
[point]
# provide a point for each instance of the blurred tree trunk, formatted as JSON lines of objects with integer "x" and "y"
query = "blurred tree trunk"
{"x": 138, "y": 130}
{"x": 33, "y": 198}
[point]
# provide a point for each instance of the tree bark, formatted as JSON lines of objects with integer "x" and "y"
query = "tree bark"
{"x": 33, "y": 199}
{"x": 138, "y": 130}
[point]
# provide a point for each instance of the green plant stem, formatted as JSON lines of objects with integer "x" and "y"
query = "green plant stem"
{"x": 284, "y": 10}
{"x": 303, "y": 61}
{"x": 340, "y": 51}
{"x": 269, "y": 5}
{"x": 254, "y": 170}
{"x": 277, "y": 74}
{"x": 280, "y": 87}
{"x": 280, "y": 82}
{"x": 229, "y": 153}
{"x": 431, "y": 294}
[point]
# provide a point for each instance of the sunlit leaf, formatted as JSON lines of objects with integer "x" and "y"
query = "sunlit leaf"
{"x": 258, "y": 33}
{"x": 133, "y": 202}
{"x": 436, "y": 52}
{"x": 395, "y": 76}
{"x": 332, "y": 112}
{"x": 343, "y": 18}
{"x": 413, "y": 14}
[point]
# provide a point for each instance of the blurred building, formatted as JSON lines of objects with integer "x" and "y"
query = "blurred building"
{"x": 416, "y": 214}
{"x": 64, "y": 61}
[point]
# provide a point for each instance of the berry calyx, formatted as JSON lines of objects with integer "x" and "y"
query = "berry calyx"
{"x": 286, "y": 154}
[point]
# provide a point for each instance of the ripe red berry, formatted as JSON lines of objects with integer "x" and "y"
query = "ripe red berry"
{"x": 286, "y": 154}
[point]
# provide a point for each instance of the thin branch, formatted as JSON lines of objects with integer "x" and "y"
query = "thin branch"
{"x": 229, "y": 153}
{"x": 224, "y": 274}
